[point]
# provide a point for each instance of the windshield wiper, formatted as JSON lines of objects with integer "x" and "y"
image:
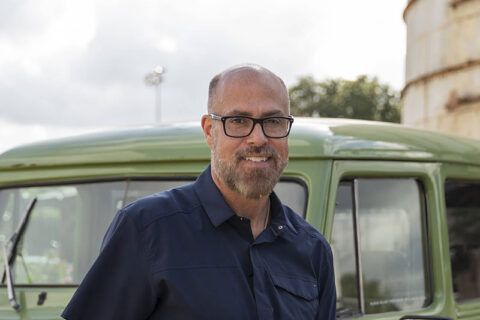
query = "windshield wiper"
{"x": 13, "y": 243}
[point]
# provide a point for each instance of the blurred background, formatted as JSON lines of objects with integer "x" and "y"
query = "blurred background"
{"x": 70, "y": 67}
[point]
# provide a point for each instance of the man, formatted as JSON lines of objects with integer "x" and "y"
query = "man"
{"x": 223, "y": 247}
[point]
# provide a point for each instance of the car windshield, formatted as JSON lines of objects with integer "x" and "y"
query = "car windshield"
{"x": 67, "y": 226}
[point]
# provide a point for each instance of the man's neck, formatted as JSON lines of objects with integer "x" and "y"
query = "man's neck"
{"x": 256, "y": 210}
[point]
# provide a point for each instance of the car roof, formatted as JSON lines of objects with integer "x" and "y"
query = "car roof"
{"x": 311, "y": 138}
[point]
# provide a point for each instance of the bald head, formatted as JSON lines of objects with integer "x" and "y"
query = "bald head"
{"x": 246, "y": 75}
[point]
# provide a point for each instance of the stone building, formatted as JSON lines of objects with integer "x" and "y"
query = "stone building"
{"x": 442, "y": 81}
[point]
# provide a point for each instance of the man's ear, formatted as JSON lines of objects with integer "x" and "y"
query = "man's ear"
{"x": 207, "y": 129}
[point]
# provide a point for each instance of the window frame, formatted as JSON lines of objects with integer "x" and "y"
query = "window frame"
{"x": 424, "y": 173}
{"x": 464, "y": 173}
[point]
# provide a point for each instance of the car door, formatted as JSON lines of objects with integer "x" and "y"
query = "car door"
{"x": 383, "y": 223}
{"x": 461, "y": 195}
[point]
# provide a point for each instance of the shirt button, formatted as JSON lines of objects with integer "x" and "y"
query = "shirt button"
{"x": 280, "y": 227}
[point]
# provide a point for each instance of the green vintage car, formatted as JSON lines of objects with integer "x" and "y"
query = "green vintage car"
{"x": 400, "y": 207}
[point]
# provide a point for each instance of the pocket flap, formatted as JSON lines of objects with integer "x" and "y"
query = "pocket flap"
{"x": 305, "y": 289}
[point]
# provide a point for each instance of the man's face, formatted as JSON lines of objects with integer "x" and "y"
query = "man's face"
{"x": 252, "y": 165}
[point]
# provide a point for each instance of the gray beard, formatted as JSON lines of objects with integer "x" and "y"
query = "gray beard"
{"x": 256, "y": 182}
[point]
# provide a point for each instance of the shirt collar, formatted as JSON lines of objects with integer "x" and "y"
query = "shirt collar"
{"x": 218, "y": 211}
{"x": 212, "y": 200}
{"x": 279, "y": 218}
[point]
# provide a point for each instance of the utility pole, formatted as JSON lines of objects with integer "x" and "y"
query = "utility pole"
{"x": 155, "y": 78}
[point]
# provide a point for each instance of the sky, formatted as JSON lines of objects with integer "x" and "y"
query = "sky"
{"x": 71, "y": 67}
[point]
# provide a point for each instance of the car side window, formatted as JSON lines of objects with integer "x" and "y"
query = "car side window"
{"x": 463, "y": 218}
{"x": 293, "y": 194}
{"x": 380, "y": 246}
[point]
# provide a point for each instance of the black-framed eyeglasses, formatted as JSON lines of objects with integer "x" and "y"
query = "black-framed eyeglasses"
{"x": 242, "y": 126}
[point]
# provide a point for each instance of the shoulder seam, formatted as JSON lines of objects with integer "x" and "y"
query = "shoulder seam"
{"x": 313, "y": 235}
{"x": 299, "y": 225}
{"x": 318, "y": 236}
{"x": 170, "y": 214}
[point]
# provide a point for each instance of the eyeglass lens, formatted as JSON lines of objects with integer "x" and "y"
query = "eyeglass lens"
{"x": 273, "y": 127}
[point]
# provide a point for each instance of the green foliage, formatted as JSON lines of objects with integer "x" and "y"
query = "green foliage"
{"x": 364, "y": 98}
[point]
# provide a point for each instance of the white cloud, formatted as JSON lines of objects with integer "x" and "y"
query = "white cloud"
{"x": 165, "y": 44}
{"x": 78, "y": 64}
{"x": 364, "y": 37}
{"x": 54, "y": 33}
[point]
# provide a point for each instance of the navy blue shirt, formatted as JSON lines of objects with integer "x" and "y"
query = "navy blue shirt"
{"x": 184, "y": 254}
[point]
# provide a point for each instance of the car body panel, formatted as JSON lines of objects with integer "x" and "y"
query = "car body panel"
{"x": 322, "y": 152}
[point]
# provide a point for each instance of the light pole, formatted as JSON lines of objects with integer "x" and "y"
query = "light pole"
{"x": 154, "y": 78}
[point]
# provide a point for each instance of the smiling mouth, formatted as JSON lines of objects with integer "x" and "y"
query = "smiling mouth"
{"x": 256, "y": 159}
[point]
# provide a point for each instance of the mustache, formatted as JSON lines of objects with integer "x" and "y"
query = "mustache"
{"x": 257, "y": 150}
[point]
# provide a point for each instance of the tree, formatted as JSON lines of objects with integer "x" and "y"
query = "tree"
{"x": 364, "y": 98}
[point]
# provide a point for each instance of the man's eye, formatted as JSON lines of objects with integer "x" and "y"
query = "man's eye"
{"x": 273, "y": 121}
{"x": 238, "y": 121}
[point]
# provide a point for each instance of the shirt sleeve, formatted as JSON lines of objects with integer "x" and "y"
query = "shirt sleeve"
{"x": 118, "y": 285}
{"x": 327, "y": 306}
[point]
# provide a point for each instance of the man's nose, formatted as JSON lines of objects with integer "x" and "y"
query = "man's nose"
{"x": 257, "y": 137}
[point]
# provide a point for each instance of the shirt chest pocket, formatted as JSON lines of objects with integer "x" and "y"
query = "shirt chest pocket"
{"x": 297, "y": 298}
